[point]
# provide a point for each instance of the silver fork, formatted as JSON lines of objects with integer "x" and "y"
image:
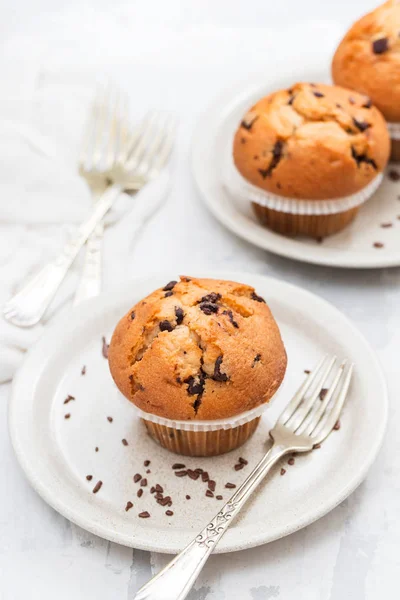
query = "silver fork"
{"x": 128, "y": 161}
{"x": 306, "y": 421}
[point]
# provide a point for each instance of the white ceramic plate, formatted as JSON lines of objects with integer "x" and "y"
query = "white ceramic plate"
{"x": 57, "y": 453}
{"x": 353, "y": 247}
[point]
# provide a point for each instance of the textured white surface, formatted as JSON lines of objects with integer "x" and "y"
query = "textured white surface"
{"x": 353, "y": 551}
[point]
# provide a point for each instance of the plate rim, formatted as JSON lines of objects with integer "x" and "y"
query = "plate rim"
{"x": 266, "y": 239}
{"x": 106, "y": 532}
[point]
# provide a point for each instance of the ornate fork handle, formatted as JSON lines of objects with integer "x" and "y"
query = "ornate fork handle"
{"x": 176, "y": 580}
{"x": 28, "y": 306}
{"x": 89, "y": 284}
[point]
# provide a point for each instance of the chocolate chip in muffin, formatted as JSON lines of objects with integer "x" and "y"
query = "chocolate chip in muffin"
{"x": 243, "y": 140}
{"x": 362, "y": 158}
{"x": 318, "y": 94}
{"x": 380, "y": 45}
{"x": 257, "y": 298}
{"x": 361, "y": 125}
{"x": 229, "y": 314}
{"x": 276, "y": 157}
{"x": 132, "y": 315}
{"x": 291, "y": 100}
{"x": 213, "y": 297}
{"x": 248, "y": 124}
{"x": 168, "y": 294}
{"x": 367, "y": 103}
{"x": 170, "y": 286}
{"x": 195, "y": 385}
{"x": 217, "y": 375}
{"x": 351, "y": 100}
{"x": 257, "y": 359}
{"x": 165, "y": 325}
{"x": 208, "y": 308}
{"x": 179, "y": 314}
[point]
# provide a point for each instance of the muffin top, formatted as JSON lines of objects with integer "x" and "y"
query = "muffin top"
{"x": 312, "y": 142}
{"x": 198, "y": 349}
{"x": 368, "y": 58}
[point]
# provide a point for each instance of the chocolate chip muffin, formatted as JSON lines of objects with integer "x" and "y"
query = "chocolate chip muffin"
{"x": 368, "y": 60}
{"x": 307, "y": 144}
{"x": 198, "y": 349}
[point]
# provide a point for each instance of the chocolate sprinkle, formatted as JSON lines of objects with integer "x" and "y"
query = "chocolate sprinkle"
{"x": 97, "y": 487}
{"x": 218, "y": 497}
{"x": 378, "y": 245}
{"x": 283, "y": 471}
{"x": 169, "y": 513}
{"x": 193, "y": 474}
{"x": 257, "y": 298}
{"x": 323, "y": 393}
{"x": 205, "y": 476}
{"x": 159, "y": 488}
{"x": 144, "y": 515}
{"x": 124, "y": 442}
{"x": 137, "y": 477}
{"x": 380, "y": 45}
{"x": 110, "y": 419}
{"x": 178, "y": 466}
{"x": 165, "y": 326}
{"x": 179, "y": 314}
{"x": 89, "y": 477}
{"x": 143, "y": 483}
{"x": 128, "y": 506}
{"x": 211, "y": 485}
{"x": 67, "y": 416}
{"x": 181, "y": 473}
{"x": 69, "y": 398}
{"x": 290, "y": 461}
{"x": 104, "y": 348}
{"x": 243, "y": 461}
{"x": 209, "y": 494}
{"x": 152, "y": 489}
{"x": 146, "y": 463}
{"x": 187, "y": 497}
{"x": 230, "y": 486}
{"x": 83, "y": 371}
{"x": 386, "y": 225}
{"x": 307, "y": 371}
{"x": 96, "y": 449}
{"x": 139, "y": 493}
{"x": 238, "y": 466}
{"x": 170, "y": 286}
{"x": 217, "y": 375}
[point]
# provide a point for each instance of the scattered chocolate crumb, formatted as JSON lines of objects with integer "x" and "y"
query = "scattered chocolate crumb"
{"x": 168, "y": 294}
{"x": 257, "y": 298}
{"x": 124, "y": 442}
{"x": 238, "y": 466}
{"x": 159, "y": 496}
{"x": 199, "y": 470}
{"x": 193, "y": 474}
{"x": 104, "y": 349}
{"x": 181, "y": 473}
{"x": 290, "y": 461}
{"x": 144, "y": 515}
{"x": 336, "y": 426}
{"x": 169, "y": 513}
{"x": 386, "y": 225}
{"x": 137, "y": 477}
{"x": 211, "y": 485}
{"x": 110, "y": 419}
{"x": 316, "y": 446}
{"x": 143, "y": 483}
{"x": 380, "y": 45}
{"x": 128, "y": 506}
{"x": 97, "y": 487}
{"x": 187, "y": 497}
{"x": 393, "y": 175}
{"x": 165, "y": 326}
{"x": 318, "y": 94}
{"x": 378, "y": 245}
{"x": 170, "y": 286}
{"x": 307, "y": 372}
{"x": 152, "y": 489}
{"x": 164, "y": 501}
{"x": 323, "y": 393}
{"x": 146, "y": 463}
{"x": 209, "y": 494}
{"x": 89, "y": 477}
{"x": 178, "y": 466}
{"x": 218, "y": 497}
{"x": 179, "y": 314}
{"x": 159, "y": 488}
{"x": 69, "y": 398}
{"x": 283, "y": 471}
{"x": 361, "y": 125}
{"x": 205, "y": 476}
{"x": 133, "y": 315}
{"x": 230, "y": 486}
{"x": 139, "y": 493}
{"x": 243, "y": 461}
{"x": 148, "y": 471}
{"x": 96, "y": 449}
{"x": 67, "y": 416}
{"x": 83, "y": 371}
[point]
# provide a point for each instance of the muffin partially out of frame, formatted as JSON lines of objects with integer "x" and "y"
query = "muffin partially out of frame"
{"x": 368, "y": 60}
{"x": 315, "y": 153}
{"x": 195, "y": 356}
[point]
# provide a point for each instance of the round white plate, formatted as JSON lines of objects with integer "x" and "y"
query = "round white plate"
{"x": 57, "y": 453}
{"x": 353, "y": 247}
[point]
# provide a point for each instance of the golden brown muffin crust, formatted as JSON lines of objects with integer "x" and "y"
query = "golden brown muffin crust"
{"x": 368, "y": 58}
{"x": 312, "y": 142}
{"x": 198, "y": 349}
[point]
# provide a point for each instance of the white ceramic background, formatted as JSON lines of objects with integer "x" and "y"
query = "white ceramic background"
{"x": 154, "y": 49}
{"x": 57, "y": 453}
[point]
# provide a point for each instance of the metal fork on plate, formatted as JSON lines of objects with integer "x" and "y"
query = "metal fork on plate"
{"x": 127, "y": 160}
{"x": 307, "y": 420}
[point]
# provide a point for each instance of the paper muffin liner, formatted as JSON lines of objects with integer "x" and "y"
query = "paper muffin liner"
{"x": 241, "y": 189}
